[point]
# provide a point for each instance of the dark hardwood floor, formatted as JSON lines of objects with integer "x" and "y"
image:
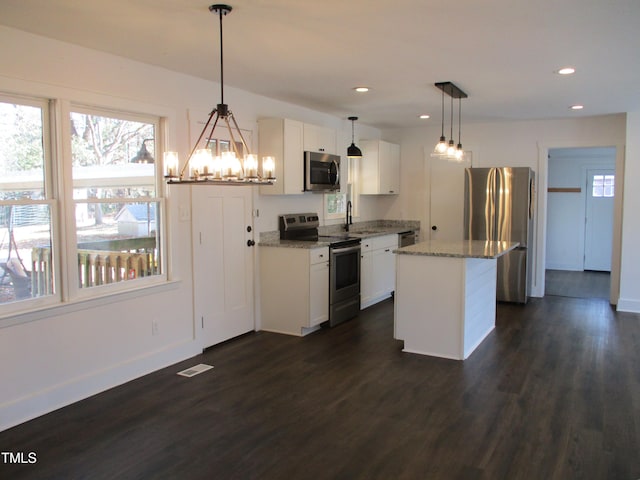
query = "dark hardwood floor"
{"x": 579, "y": 284}
{"x": 552, "y": 393}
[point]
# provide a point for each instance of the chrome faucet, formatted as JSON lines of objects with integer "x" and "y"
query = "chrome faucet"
{"x": 349, "y": 219}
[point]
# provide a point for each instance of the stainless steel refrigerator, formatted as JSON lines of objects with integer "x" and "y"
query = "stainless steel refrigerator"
{"x": 499, "y": 206}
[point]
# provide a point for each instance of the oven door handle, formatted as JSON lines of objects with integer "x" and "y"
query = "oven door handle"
{"x": 340, "y": 250}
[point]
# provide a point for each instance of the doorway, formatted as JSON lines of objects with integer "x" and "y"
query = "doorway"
{"x": 222, "y": 262}
{"x": 580, "y": 222}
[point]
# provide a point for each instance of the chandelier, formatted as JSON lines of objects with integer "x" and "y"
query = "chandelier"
{"x": 450, "y": 151}
{"x": 238, "y": 166}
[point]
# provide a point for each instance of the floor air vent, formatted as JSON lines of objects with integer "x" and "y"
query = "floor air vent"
{"x": 195, "y": 370}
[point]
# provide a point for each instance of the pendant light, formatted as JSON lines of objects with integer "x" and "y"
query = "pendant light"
{"x": 353, "y": 151}
{"x": 441, "y": 147}
{"x": 143, "y": 155}
{"x": 459, "y": 155}
{"x": 235, "y": 167}
{"x": 451, "y": 147}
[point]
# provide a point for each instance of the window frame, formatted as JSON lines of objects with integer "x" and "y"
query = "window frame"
{"x": 50, "y": 194}
{"x": 351, "y": 191}
{"x": 73, "y": 288}
{"x": 58, "y": 190}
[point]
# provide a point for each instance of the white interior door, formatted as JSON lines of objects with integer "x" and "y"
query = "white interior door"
{"x": 446, "y": 189}
{"x": 598, "y": 237}
{"x": 222, "y": 262}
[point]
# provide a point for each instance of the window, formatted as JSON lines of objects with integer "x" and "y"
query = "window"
{"x": 109, "y": 209}
{"x": 117, "y": 219}
{"x": 603, "y": 186}
{"x": 335, "y": 204}
{"x": 26, "y": 201}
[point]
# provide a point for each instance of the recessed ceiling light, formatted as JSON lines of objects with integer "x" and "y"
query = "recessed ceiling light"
{"x": 577, "y": 107}
{"x": 425, "y": 116}
{"x": 362, "y": 89}
{"x": 566, "y": 71}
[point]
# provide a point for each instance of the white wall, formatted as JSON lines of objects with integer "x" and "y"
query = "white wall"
{"x": 566, "y": 211}
{"x": 57, "y": 356}
{"x": 522, "y": 143}
{"x": 630, "y": 268}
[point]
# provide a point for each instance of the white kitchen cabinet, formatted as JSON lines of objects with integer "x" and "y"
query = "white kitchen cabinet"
{"x": 282, "y": 139}
{"x": 319, "y": 139}
{"x": 377, "y": 269}
{"x": 294, "y": 289}
{"x": 379, "y": 168}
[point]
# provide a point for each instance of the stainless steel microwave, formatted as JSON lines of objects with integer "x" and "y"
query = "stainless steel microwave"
{"x": 321, "y": 172}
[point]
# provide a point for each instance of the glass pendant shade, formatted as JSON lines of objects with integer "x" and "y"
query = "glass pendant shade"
{"x": 441, "y": 146}
{"x": 451, "y": 149}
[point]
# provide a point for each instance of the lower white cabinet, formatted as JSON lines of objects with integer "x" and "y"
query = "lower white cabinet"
{"x": 377, "y": 269}
{"x": 294, "y": 289}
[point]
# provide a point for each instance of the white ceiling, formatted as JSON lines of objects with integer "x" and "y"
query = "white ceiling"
{"x": 502, "y": 53}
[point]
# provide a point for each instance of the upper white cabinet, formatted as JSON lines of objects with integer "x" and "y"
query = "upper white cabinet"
{"x": 286, "y": 140}
{"x": 379, "y": 168}
{"x": 281, "y": 138}
{"x": 319, "y": 139}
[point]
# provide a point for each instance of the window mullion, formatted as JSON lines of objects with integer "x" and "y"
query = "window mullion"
{"x": 67, "y": 230}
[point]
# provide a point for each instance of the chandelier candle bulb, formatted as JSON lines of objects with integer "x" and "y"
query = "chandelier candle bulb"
{"x": 217, "y": 167}
{"x": 268, "y": 167}
{"x": 251, "y": 166}
{"x": 171, "y": 164}
{"x": 228, "y": 161}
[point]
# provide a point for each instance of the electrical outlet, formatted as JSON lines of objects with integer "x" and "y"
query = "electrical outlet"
{"x": 154, "y": 327}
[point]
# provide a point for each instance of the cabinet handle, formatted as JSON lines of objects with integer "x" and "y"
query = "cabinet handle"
{"x": 387, "y": 250}
{"x": 250, "y": 243}
{"x": 321, "y": 255}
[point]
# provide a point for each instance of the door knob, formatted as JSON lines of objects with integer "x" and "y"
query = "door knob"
{"x": 250, "y": 243}
{"x": 434, "y": 227}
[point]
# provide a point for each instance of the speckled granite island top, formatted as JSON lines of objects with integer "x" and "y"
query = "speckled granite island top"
{"x": 458, "y": 249}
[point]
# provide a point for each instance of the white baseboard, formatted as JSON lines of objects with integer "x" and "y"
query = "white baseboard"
{"x": 628, "y": 305}
{"x": 40, "y": 403}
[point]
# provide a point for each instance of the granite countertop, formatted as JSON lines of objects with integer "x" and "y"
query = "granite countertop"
{"x": 276, "y": 242}
{"x": 458, "y": 249}
{"x": 361, "y": 230}
{"x": 377, "y": 232}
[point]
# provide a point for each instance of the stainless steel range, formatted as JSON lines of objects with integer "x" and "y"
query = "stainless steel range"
{"x": 344, "y": 263}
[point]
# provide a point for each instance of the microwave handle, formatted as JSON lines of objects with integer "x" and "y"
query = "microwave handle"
{"x": 337, "y": 182}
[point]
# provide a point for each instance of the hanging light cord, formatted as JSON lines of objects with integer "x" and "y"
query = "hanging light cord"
{"x": 220, "y": 13}
{"x": 353, "y": 134}
{"x": 459, "y": 120}
{"x": 451, "y": 118}
{"x": 442, "y": 132}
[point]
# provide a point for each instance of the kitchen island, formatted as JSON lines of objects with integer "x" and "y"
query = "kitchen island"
{"x": 445, "y": 300}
